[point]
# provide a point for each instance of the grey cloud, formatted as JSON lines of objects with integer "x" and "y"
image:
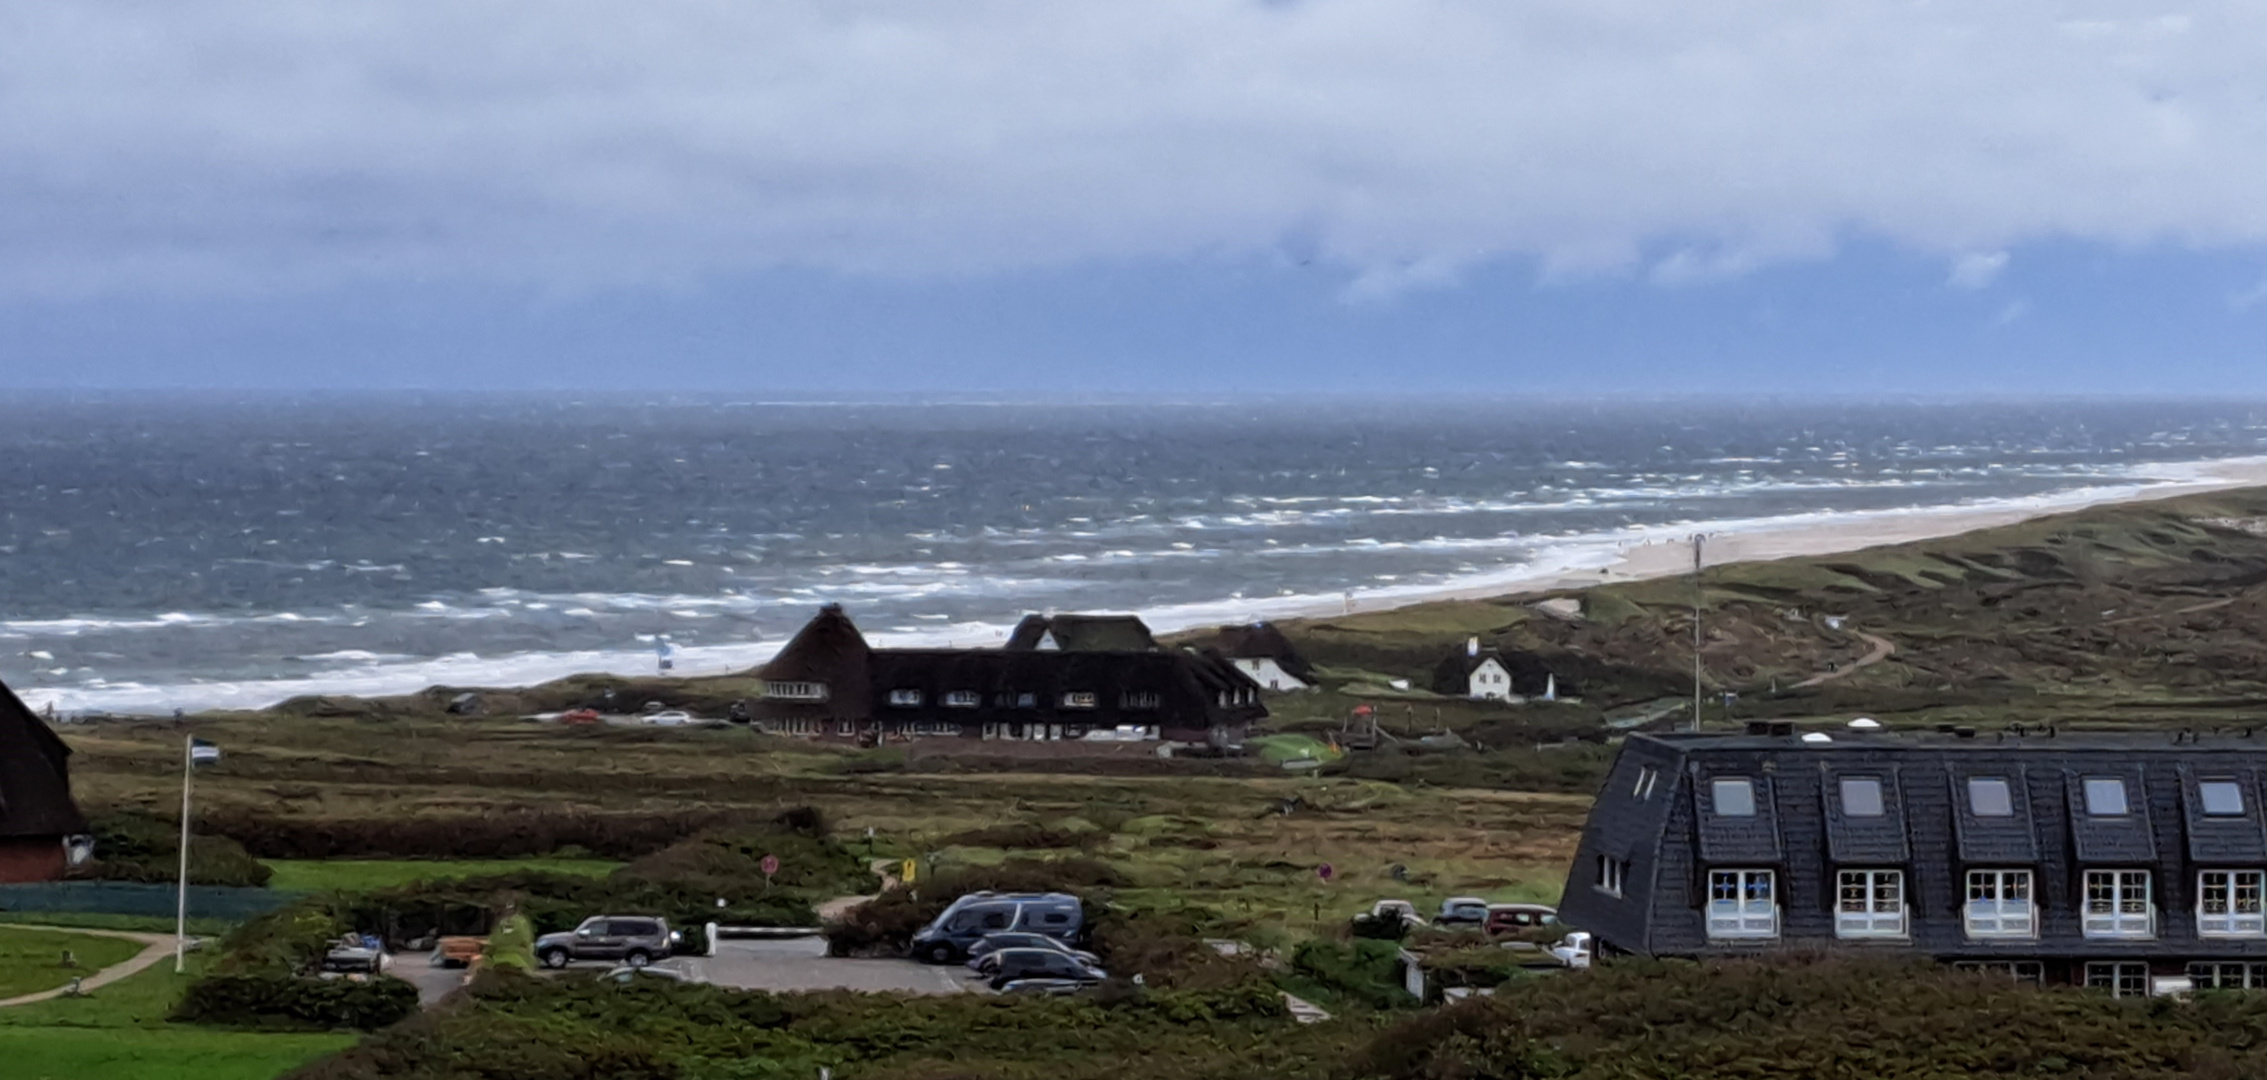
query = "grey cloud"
{"x": 239, "y": 147}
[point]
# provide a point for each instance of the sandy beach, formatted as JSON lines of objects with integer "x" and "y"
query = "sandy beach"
{"x": 1667, "y": 551}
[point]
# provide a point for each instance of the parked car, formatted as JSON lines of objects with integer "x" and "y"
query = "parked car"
{"x": 456, "y": 952}
{"x": 630, "y": 973}
{"x": 1513, "y": 918}
{"x": 1015, "y": 965}
{"x": 971, "y": 918}
{"x": 355, "y": 953}
{"x": 1388, "y": 919}
{"x": 579, "y": 717}
{"x": 1462, "y": 911}
{"x": 1047, "y": 987}
{"x": 669, "y": 718}
{"x": 984, "y": 955}
{"x": 635, "y": 940}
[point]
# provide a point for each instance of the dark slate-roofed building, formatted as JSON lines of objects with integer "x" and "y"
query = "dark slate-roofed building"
{"x": 1083, "y": 633}
{"x": 1264, "y": 653}
{"x": 2132, "y": 863}
{"x": 41, "y": 829}
{"x": 828, "y": 682}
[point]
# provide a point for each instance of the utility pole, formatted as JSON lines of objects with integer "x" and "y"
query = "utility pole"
{"x": 181, "y": 895}
{"x": 1697, "y": 541}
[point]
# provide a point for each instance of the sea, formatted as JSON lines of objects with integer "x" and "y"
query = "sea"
{"x": 192, "y": 551}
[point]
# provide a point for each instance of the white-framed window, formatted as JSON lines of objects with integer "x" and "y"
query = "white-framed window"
{"x": 1647, "y": 777}
{"x": 2227, "y": 975}
{"x": 2000, "y": 904}
{"x": 1078, "y": 699}
{"x": 2228, "y": 903}
{"x": 905, "y": 698}
{"x": 963, "y": 699}
{"x": 1869, "y": 904}
{"x": 2105, "y": 796}
{"x": 2121, "y": 978}
{"x": 1613, "y": 874}
{"x": 1732, "y": 796}
{"x": 796, "y": 691}
{"x": 1989, "y": 796}
{"x": 1861, "y": 796}
{"x": 2027, "y": 971}
{"x": 846, "y": 727}
{"x": 2117, "y": 905}
{"x": 2221, "y": 798}
{"x": 1742, "y": 904}
{"x": 1140, "y": 699}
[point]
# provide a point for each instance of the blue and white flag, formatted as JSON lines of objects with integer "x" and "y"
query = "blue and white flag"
{"x": 203, "y": 753}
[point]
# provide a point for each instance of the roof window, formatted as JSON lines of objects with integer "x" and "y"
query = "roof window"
{"x": 1988, "y": 796}
{"x": 1861, "y": 796}
{"x": 1733, "y": 797}
{"x": 2221, "y": 798}
{"x": 2105, "y": 796}
{"x": 904, "y": 698}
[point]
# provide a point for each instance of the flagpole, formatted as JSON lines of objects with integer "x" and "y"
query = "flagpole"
{"x": 181, "y": 900}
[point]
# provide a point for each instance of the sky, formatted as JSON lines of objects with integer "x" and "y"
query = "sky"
{"x": 1369, "y": 196}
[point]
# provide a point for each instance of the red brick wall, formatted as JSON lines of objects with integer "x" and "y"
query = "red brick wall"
{"x": 31, "y": 859}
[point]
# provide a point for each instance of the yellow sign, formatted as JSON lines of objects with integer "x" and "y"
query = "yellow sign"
{"x": 909, "y": 873}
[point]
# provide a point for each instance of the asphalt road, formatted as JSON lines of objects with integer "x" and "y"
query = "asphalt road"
{"x": 802, "y": 964}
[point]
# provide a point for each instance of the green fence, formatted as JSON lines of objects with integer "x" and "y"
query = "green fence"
{"x": 133, "y": 898}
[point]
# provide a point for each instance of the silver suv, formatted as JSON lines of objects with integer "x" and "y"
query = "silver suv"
{"x": 636, "y": 940}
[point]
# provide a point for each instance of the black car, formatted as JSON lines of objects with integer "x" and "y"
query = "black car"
{"x": 1017, "y": 965}
{"x": 981, "y": 955}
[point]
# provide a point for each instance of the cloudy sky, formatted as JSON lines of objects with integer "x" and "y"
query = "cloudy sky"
{"x": 1565, "y": 196}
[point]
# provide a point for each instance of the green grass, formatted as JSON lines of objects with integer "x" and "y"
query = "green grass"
{"x": 361, "y": 875}
{"x": 119, "y": 1032}
{"x": 31, "y": 960}
{"x": 1277, "y": 749}
{"x": 148, "y": 924}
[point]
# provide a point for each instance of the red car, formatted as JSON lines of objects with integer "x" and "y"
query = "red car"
{"x": 579, "y": 716}
{"x": 1513, "y": 918}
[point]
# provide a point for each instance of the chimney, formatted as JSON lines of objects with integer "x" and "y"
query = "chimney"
{"x": 1472, "y": 646}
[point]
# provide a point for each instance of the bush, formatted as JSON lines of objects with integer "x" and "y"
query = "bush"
{"x": 1363, "y": 972}
{"x": 281, "y": 1000}
{"x": 138, "y": 847}
{"x": 1024, "y": 837}
{"x": 501, "y": 835}
{"x": 1794, "y": 1018}
{"x": 511, "y": 947}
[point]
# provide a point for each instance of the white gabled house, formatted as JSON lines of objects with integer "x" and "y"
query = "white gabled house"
{"x": 1264, "y": 653}
{"x": 1487, "y": 675}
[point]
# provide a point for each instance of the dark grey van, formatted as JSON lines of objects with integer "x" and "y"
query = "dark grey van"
{"x": 947, "y": 938}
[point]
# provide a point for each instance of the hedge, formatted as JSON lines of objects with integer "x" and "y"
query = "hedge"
{"x": 283, "y": 1000}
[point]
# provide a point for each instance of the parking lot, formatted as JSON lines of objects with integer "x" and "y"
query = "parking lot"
{"x": 802, "y": 964}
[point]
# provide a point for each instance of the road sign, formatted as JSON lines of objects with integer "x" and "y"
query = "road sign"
{"x": 770, "y": 865}
{"x": 907, "y": 873}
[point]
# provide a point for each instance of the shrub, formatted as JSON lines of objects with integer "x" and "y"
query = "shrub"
{"x": 501, "y": 835}
{"x": 1363, "y": 972}
{"x": 1026, "y": 836}
{"x": 271, "y": 999}
{"x": 132, "y": 846}
{"x": 511, "y": 946}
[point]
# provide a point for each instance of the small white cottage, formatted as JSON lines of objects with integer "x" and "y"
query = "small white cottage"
{"x": 1487, "y": 675}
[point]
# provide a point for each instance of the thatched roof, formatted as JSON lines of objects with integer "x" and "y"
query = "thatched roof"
{"x": 1262, "y": 641}
{"x": 35, "y": 776}
{"x": 1085, "y": 633}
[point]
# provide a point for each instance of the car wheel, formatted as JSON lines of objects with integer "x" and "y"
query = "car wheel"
{"x": 555, "y": 958}
{"x": 940, "y": 953}
{"x": 637, "y": 958}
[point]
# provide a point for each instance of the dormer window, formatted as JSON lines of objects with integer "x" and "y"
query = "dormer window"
{"x": 962, "y": 699}
{"x": 1646, "y": 778}
{"x": 1988, "y": 796}
{"x": 1141, "y": 699}
{"x": 905, "y": 699}
{"x": 2221, "y": 798}
{"x": 2105, "y": 796}
{"x": 1078, "y": 699}
{"x": 1734, "y": 797}
{"x": 796, "y": 691}
{"x": 1861, "y": 796}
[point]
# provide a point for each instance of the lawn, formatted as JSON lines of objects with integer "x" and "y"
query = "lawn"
{"x": 119, "y": 1033}
{"x": 359, "y": 875}
{"x": 31, "y": 960}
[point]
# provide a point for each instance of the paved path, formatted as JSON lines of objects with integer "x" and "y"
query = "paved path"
{"x": 802, "y": 964}
{"x": 155, "y": 947}
{"x": 1882, "y": 649}
{"x": 833, "y": 910}
{"x": 433, "y": 982}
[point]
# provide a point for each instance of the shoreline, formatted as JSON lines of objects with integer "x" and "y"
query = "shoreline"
{"x": 1559, "y": 564}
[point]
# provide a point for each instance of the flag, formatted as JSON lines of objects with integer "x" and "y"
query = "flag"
{"x": 203, "y": 753}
